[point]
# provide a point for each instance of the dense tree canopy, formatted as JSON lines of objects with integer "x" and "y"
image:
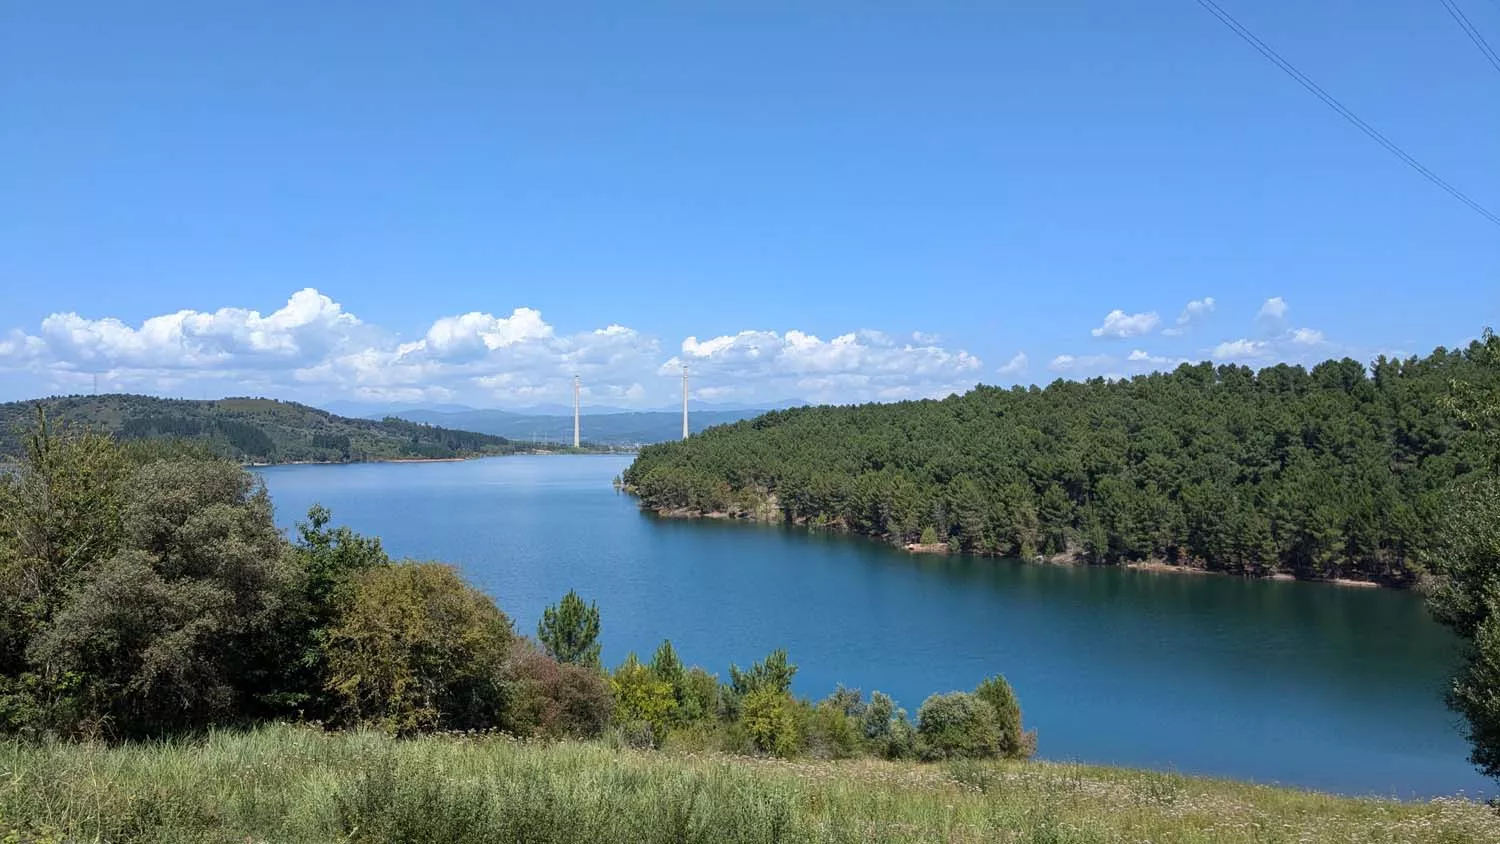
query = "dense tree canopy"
{"x": 1465, "y": 591}
{"x": 1341, "y": 470}
{"x": 250, "y": 429}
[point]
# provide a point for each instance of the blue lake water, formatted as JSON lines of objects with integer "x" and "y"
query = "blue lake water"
{"x": 1301, "y": 684}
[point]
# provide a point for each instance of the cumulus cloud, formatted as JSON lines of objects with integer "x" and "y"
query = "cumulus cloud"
{"x": 1118, "y": 324}
{"x": 1079, "y": 363}
{"x": 1242, "y": 349}
{"x": 1016, "y": 365}
{"x": 1191, "y": 312}
{"x": 862, "y": 365}
{"x": 313, "y": 349}
{"x": 1307, "y": 337}
{"x": 302, "y": 330}
{"x": 1272, "y": 314}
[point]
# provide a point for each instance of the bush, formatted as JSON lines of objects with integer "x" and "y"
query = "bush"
{"x": 416, "y": 649}
{"x": 642, "y": 698}
{"x": 162, "y": 635}
{"x": 830, "y": 733}
{"x": 770, "y": 721}
{"x": 957, "y": 725}
{"x": 1014, "y": 742}
{"x": 554, "y": 699}
{"x": 774, "y": 672}
{"x": 699, "y": 699}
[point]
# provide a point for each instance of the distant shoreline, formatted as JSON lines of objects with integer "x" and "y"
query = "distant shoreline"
{"x": 1069, "y": 558}
{"x": 538, "y": 452}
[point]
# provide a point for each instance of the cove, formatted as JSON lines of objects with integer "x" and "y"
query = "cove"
{"x": 1291, "y": 683}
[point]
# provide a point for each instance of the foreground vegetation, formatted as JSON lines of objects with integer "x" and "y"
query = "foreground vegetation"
{"x": 298, "y": 784}
{"x": 1338, "y": 471}
{"x": 251, "y": 430}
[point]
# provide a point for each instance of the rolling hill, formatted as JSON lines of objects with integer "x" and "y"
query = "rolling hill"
{"x": 252, "y": 430}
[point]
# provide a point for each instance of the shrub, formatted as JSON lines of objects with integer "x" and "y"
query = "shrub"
{"x": 642, "y": 698}
{"x": 551, "y": 698}
{"x": 770, "y": 721}
{"x": 569, "y": 630}
{"x": 417, "y": 648}
{"x": 774, "y": 672}
{"x": 699, "y": 699}
{"x": 957, "y": 725}
{"x": 1014, "y": 743}
{"x": 830, "y": 733}
{"x": 162, "y": 635}
{"x": 324, "y": 561}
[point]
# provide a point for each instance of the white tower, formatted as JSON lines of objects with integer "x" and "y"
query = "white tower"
{"x": 684, "y": 403}
{"x": 575, "y": 411}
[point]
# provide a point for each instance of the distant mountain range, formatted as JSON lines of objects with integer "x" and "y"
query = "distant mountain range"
{"x": 253, "y": 429}
{"x": 377, "y": 410}
{"x": 622, "y": 428}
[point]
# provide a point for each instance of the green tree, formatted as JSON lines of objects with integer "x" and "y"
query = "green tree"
{"x": 1002, "y": 699}
{"x": 1464, "y": 592}
{"x": 773, "y": 672}
{"x": 324, "y": 561}
{"x": 957, "y": 725}
{"x": 162, "y": 635}
{"x": 642, "y": 698}
{"x": 569, "y": 630}
{"x": 417, "y": 648}
{"x": 769, "y": 718}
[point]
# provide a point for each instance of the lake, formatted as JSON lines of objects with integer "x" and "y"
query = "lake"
{"x": 1294, "y": 683}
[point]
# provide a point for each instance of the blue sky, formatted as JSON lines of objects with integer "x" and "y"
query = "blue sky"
{"x": 469, "y": 202}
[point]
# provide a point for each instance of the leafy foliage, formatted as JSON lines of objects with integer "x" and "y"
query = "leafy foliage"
{"x": 769, "y": 718}
{"x": 1465, "y": 590}
{"x": 418, "y": 648}
{"x": 554, "y": 699}
{"x": 642, "y": 699}
{"x": 569, "y": 630}
{"x": 957, "y": 725}
{"x": 1013, "y": 742}
{"x": 1335, "y": 471}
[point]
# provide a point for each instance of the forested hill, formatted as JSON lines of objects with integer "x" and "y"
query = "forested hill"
{"x": 248, "y": 429}
{"x": 1338, "y": 471}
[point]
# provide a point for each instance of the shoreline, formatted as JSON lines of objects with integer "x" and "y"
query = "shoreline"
{"x": 367, "y": 460}
{"x": 1070, "y": 557}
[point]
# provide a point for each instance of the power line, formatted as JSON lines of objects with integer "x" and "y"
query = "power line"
{"x": 1343, "y": 111}
{"x": 1474, "y": 34}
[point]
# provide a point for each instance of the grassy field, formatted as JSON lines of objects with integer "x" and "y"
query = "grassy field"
{"x": 290, "y": 784}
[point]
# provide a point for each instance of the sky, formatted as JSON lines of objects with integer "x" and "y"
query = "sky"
{"x": 470, "y": 203}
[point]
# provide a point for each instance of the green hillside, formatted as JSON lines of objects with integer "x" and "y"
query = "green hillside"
{"x": 1337, "y": 471}
{"x": 252, "y": 430}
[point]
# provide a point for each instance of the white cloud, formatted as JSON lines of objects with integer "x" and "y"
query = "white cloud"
{"x": 314, "y": 350}
{"x": 303, "y": 329}
{"x": 1274, "y": 310}
{"x": 1145, "y": 360}
{"x": 862, "y": 365}
{"x": 1191, "y": 312}
{"x": 1241, "y": 350}
{"x": 1118, "y": 324}
{"x": 1307, "y": 337}
{"x": 1076, "y": 363}
{"x": 1016, "y": 365}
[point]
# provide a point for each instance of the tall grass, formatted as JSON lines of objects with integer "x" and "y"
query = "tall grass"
{"x": 290, "y": 784}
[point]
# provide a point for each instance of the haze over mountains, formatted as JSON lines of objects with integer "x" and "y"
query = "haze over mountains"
{"x": 601, "y": 426}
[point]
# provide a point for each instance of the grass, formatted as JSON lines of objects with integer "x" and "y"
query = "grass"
{"x": 293, "y": 784}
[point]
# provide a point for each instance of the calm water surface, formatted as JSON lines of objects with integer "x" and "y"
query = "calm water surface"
{"x": 1294, "y": 683}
